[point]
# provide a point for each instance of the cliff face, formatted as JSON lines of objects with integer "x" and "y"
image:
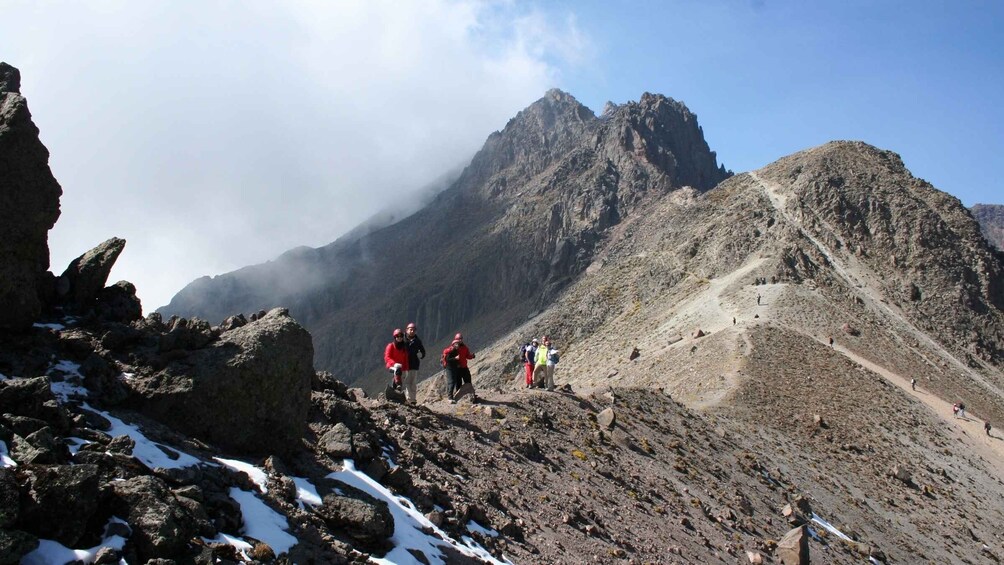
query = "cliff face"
{"x": 521, "y": 222}
{"x": 991, "y": 219}
{"x": 29, "y": 207}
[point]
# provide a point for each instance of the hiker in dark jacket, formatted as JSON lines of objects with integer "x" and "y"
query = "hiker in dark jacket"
{"x": 451, "y": 362}
{"x": 416, "y": 352}
{"x": 529, "y": 352}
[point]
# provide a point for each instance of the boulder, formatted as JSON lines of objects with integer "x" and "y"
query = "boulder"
{"x": 248, "y": 391}
{"x": 119, "y": 303}
{"x": 850, "y": 330}
{"x": 14, "y": 545}
{"x": 606, "y": 419}
{"x": 10, "y": 503}
{"x": 362, "y": 517}
{"x": 29, "y": 207}
{"x": 58, "y": 500}
{"x": 793, "y": 549}
{"x": 901, "y": 473}
{"x": 85, "y": 276}
{"x": 161, "y": 526}
{"x": 635, "y": 353}
{"x": 33, "y": 398}
{"x": 336, "y": 442}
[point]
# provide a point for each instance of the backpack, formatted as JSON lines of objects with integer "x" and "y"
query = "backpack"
{"x": 554, "y": 358}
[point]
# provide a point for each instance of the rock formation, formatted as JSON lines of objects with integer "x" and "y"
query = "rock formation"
{"x": 991, "y": 219}
{"x": 29, "y": 207}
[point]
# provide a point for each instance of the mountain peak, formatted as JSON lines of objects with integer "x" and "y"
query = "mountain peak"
{"x": 10, "y": 79}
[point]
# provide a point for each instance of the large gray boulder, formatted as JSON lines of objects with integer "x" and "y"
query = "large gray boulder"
{"x": 58, "y": 500}
{"x": 85, "y": 277}
{"x": 29, "y": 207}
{"x": 248, "y": 391}
{"x": 160, "y": 522}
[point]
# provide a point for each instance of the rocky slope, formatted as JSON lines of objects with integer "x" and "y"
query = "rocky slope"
{"x": 991, "y": 219}
{"x": 523, "y": 220}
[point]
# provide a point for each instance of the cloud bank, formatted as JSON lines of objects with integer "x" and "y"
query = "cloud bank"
{"x": 215, "y": 135}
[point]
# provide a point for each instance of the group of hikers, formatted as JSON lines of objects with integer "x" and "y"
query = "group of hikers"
{"x": 539, "y": 359}
{"x": 403, "y": 355}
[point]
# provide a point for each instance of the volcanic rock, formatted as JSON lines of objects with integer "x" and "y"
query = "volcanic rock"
{"x": 58, "y": 500}
{"x": 161, "y": 524}
{"x": 793, "y": 549}
{"x": 248, "y": 391}
{"x": 29, "y": 207}
{"x": 85, "y": 276}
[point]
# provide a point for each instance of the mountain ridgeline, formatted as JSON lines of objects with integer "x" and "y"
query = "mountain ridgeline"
{"x": 522, "y": 221}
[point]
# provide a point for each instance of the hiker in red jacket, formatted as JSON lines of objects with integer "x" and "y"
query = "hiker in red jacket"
{"x": 395, "y": 357}
{"x": 463, "y": 373}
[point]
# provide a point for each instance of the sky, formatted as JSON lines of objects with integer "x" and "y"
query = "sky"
{"x": 214, "y": 135}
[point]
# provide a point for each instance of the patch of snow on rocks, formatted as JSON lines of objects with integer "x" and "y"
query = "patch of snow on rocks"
{"x": 409, "y": 525}
{"x": 5, "y": 460}
{"x": 257, "y": 474}
{"x": 50, "y": 552}
{"x": 147, "y": 451}
{"x": 306, "y": 493}
{"x": 263, "y": 523}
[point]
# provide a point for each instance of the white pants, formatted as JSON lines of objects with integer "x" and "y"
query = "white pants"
{"x": 544, "y": 375}
{"x": 409, "y": 379}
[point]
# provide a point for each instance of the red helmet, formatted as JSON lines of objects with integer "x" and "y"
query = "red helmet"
{"x": 410, "y": 326}
{"x": 398, "y": 332}
{"x": 458, "y": 337}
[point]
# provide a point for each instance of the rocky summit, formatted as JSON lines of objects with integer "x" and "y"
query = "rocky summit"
{"x": 796, "y": 364}
{"x": 991, "y": 219}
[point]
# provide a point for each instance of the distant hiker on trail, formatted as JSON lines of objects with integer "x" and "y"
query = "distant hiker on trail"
{"x": 831, "y": 341}
{"x": 395, "y": 357}
{"x": 552, "y": 361}
{"x": 955, "y": 410}
{"x": 986, "y": 426}
{"x": 416, "y": 352}
{"x": 758, "y": 300}
{"x": 913, "y": 384}
{"x": 962, "y": 410}
{"x": 733, "y": 320}
{"x": 529, "y": 352}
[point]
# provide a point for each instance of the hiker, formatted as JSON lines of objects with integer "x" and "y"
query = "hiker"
{"x": 831, "y": 341}
{"x": 528, "y": 360}
{"x": 733, "y": 320}
{"x": 962, "y": 410}
{"x": 463, "y": 373}
{"x": 758, "y": 300}
{"x": 913, "y": 384}
{"x": 955, "y": 410}
{"x": 986, "y": 426}
{"x": 395, "y": 357}
{"x": 416, "y": 352}
{"x": 552, "y": 361}
{"x": 451, "y": 362}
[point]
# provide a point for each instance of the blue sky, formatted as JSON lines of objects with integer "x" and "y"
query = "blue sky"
{"x": 212, "y": 135}
{"x": 922, "y": 78}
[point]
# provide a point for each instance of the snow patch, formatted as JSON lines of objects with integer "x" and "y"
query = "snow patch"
{"x": 55, "y": 327}
{"x": 410, "y": 526}
{"x": 147, "y": 451}
{"x": 50, "y": 552}
{"x": 263, "y": 523}
{"x": 473, "y": 526}
{"x": 306, "y": 493}
{"x": 240, "y": 545}
{"x": 257, "y": 474}
{"x": 75, "y": 443}
{"x": 5, "y": 460}
{"x": 829, "y": 527}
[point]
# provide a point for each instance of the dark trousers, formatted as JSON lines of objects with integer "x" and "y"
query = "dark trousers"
{"x": 451, "y": 381}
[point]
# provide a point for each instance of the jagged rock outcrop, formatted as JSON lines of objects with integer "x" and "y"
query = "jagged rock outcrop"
{"x": 85, "y": 277}
{"x": 522, "y": 221}
{"x": 991, "y": 219}
{"x": 29, "y": 207}
{"x": 248, "y": 391}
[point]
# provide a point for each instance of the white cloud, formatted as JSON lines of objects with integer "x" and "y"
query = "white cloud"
{"x": 215, "y": 135}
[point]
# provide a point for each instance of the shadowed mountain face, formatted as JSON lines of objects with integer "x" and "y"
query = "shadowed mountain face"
{"x": 991, "y": 219}
{"x": 523, "y": 220}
